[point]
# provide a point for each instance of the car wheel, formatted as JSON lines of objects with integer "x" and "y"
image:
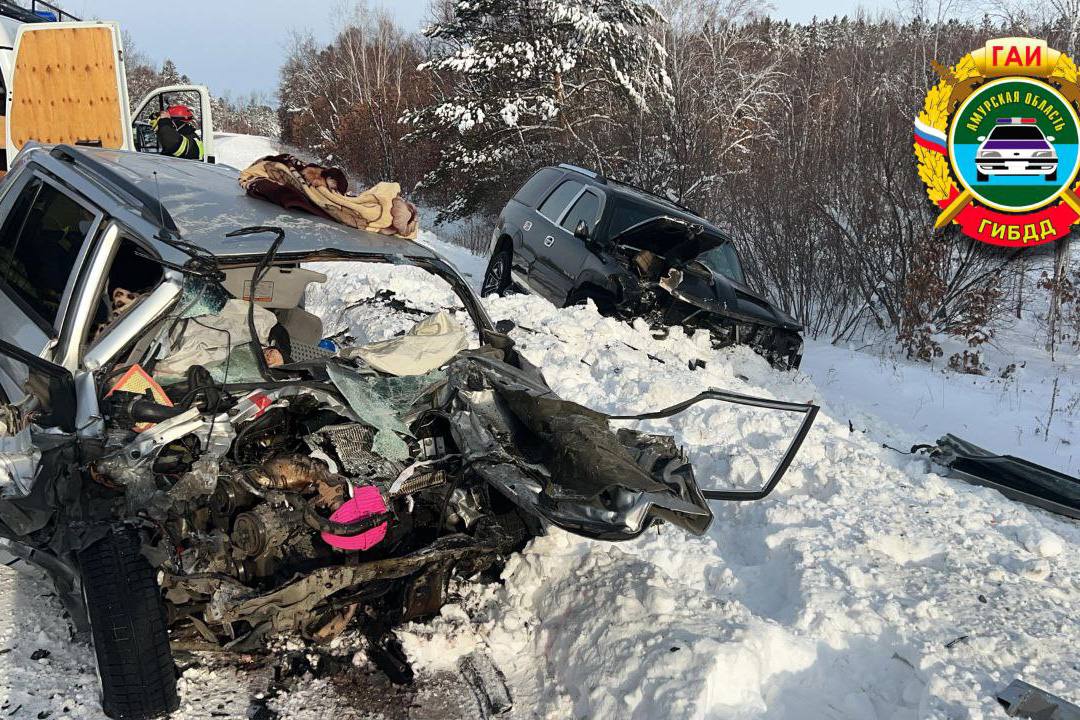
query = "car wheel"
{"x": 497, "y": 275}
{"x": 1052, "y": 177}
{"x": 980, "y": 176}
{"x": 127, "y": 625}
{"x": 605, "y": 304}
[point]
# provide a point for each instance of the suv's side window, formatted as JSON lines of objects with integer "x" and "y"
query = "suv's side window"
{"x": 40, "y": 241}
{"x": 557, "y": 201}
{"x": 586, "y": 208}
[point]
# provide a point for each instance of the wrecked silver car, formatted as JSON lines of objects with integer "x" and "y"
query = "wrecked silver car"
{"x": 182, "y": 446}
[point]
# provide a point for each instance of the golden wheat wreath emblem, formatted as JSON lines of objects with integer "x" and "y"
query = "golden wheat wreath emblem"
{"x": 1011, "y": 88}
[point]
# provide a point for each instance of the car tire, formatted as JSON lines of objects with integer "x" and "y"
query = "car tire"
{"x": 497, "y": 275}
{"x": 1052, "y": 177}
{"x": 980, "y": 176}
{"x": 128, "y": 628}
{"x": 605, "y": 303}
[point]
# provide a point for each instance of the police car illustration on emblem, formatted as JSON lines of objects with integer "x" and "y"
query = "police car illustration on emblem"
{"x": 1016, "y": 146}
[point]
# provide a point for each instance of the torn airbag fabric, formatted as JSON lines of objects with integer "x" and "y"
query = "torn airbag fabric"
{"x": 429, "y": 344}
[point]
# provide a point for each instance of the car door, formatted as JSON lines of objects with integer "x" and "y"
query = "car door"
{"x": 46, "y": 232}
{"x": 196, "y": 97}
{"x": 543, "y": 237}
{"x": 568, "y": 253}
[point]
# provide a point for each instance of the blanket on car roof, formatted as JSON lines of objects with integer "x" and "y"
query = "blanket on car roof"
{"x": 296, "y": 185}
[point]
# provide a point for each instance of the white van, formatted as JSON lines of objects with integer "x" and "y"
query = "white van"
{"x": 64, "y": 81}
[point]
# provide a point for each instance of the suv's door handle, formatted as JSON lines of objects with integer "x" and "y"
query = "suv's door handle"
{"x": 549, "y": 241}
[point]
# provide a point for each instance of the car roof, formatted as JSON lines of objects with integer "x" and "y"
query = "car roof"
{"x": 205, "y": 201}
{"x": 638, "y": 196}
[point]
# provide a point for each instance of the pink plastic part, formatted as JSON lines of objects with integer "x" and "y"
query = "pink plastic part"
{"x": 365, "y": 501}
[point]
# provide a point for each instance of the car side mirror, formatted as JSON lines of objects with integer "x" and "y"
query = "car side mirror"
{"x": 1050, "y": 138}
{"x": 981, "y": 138}
{"x": 581, "y": 232}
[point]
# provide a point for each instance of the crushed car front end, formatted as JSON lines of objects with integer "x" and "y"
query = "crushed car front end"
{"x": 274, "y": 474}
{"x": 267, "y": 490}
{"x": 681, "y": 274}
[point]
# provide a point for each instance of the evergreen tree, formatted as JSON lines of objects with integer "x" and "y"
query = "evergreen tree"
{"x": 170, "y": 75}
{"x": 528, "y": 82}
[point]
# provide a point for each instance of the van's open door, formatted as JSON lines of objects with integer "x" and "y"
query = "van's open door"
{"x": 68, "y": 86}
{"x": 196, "y": 97}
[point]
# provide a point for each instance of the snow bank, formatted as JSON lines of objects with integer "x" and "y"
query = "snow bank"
{"x": 239, "y": 151}
{"x": 866, "y": 587}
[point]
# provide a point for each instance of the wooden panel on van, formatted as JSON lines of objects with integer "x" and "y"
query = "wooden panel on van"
{"x": 65, "y": 88}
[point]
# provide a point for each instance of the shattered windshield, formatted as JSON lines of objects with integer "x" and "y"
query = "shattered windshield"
{"x": 724, "y": 260}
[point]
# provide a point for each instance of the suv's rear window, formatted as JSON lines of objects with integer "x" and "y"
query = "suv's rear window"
{"x": 586, "y": 208}
{"x": 39, "y": 242}
{"x": 532, "y": 191}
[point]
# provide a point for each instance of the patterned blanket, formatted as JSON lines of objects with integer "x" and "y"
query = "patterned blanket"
{"x": 294, "y": 184}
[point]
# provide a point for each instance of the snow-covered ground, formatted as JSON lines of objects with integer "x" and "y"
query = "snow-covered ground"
{"x": 903, "y": 403}
{"x": 866, "y": 587}
{"x": 239, "y": 151}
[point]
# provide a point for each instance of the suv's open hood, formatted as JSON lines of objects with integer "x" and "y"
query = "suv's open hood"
{"x": 671, "y": 238}
{"x": 679, "y": 240}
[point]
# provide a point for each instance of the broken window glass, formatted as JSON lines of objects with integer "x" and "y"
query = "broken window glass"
{"x": 380, "y": 402}
{"x": 200, "y": 296}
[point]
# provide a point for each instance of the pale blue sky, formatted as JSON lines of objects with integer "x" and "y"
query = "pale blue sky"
{"x": 235, "y": 46}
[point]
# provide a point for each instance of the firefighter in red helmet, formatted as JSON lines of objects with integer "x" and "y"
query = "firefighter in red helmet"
{"x": 177, "y": 134}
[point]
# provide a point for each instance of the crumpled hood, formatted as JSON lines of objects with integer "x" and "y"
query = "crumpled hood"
{"x": 671, "y": 238}
{"x": 561, "y": 461}
{"x": 680, "y": 241}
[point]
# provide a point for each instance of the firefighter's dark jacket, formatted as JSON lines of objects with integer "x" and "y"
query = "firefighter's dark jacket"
{"x": 178, "y": 138}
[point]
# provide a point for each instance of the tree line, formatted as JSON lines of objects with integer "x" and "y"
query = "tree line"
{"x": 252, "y": 115}
{"x": 794, "y": 137}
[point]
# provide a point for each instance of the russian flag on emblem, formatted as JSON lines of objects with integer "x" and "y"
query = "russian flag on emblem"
{"x": 929, "y": 137}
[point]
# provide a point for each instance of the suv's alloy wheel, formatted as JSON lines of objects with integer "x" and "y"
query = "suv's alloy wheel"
{"x": 497, "y": 275}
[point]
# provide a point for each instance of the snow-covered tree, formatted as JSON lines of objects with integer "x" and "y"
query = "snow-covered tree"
{"x": 526, "y": 82}
{"x": 250, "y": 115}
{"x": 170, "y": 75}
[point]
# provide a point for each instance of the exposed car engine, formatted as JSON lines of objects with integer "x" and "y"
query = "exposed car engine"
{"x": 284, "y": 505}
{"x": 675, "y": 292}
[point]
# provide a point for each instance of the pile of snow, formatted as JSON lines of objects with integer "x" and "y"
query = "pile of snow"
{"x": 867, "y": 586}
{"x": 239, "y": 151}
